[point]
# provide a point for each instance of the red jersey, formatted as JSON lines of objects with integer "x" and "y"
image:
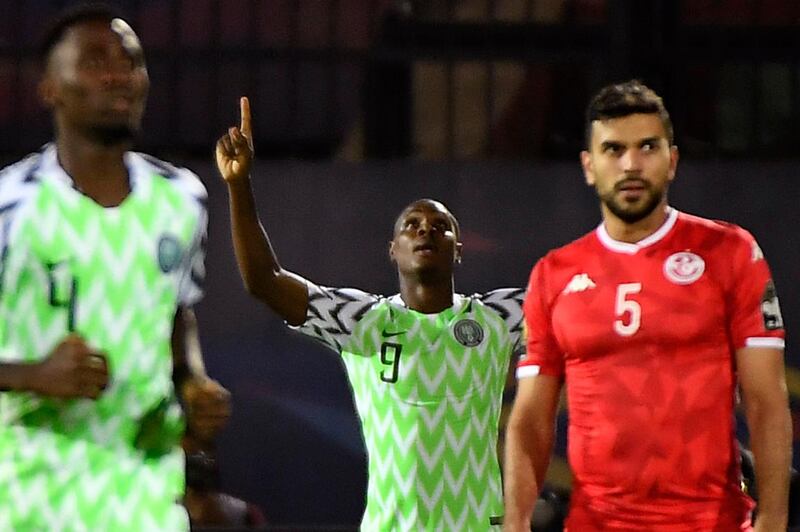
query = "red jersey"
{"x": 645, "y": 335}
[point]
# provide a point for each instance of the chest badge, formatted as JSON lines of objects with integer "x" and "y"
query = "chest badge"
{"x": 468, "y": 333}
{"x": 169, "y": 253}
{"x": 684, "y": 267}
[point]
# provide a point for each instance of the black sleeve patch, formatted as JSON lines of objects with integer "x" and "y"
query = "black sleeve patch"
{"x": 770, "y": 308}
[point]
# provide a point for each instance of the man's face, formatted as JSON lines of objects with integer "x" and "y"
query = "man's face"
{"x": 630, "y": 163}
{"x": 425, "y": 240}
{"x": 96, "y": 81}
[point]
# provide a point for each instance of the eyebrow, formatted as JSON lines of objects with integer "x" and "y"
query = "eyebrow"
{"x": 436, "y": 216}
{"x": 619, "y": 144}
{"x": 650, "y": 140}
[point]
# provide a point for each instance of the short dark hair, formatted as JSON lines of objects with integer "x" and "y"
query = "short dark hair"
{"x": 76, "y": 14}
{"x": 432, "y": 203}
{"x": 623, "y": 99}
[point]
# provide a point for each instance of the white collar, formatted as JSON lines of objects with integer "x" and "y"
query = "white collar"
{"x": 631, "y": 248}
{"x": 50, "y": 168}
{"x": 458, "y": 303}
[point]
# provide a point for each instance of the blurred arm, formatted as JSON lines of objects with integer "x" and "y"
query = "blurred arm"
{"x": 763, "y": 384}
{"x": 529, "y": 444}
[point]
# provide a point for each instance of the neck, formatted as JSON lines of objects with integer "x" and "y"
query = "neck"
{"x": 623, "y": 231}
{"x": 427, "y": 297}
{"x": 98, "y": 171}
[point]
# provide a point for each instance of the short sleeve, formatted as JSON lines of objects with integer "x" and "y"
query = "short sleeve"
{"x": 755, "y": 313}
{"x": 334, "y": 312}
{"x": 542, "y": 355}
{"x": 507, "y": 303}
{"x": 191, "y": 288}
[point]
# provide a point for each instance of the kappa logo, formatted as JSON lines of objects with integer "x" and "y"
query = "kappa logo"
{"x": 579, "y": 283}
{"x": 684, "y": 267}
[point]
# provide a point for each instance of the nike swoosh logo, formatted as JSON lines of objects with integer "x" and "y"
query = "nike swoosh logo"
{"x": 387, "y": 334}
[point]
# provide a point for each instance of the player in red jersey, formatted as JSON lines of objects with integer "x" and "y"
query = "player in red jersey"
{"x": 653, "y": 321}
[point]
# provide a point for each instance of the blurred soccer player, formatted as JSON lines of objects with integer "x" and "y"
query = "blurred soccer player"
{"x": 652, "y": 321}
{"x": 427, "y": 366}
{"x": 101, "y": 253}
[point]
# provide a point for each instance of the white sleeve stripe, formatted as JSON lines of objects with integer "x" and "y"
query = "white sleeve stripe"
{"x": 528, "y": 371}
{"x": 777, "y": 343}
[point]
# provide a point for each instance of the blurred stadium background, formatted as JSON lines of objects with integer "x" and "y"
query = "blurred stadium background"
{"x": 361, "y": 106}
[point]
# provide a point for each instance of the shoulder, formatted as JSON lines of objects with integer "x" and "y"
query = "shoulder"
{"x": 717, "y": 233}
{"x": 18, "y": 181}
{"x": 565, "y": 259}
{"x": 504, "y": 302}
{"x": 317, "y": 292}
{"x": 573, "y": 250}
{"x": 181, "y": 179}
{"x": 500, "y": 296}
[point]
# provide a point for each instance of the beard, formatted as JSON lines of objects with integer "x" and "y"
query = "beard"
{"x": 632, "y": 211}
{"x": 112, "y": 135}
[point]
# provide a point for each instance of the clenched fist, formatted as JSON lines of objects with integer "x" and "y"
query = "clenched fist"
{"x": 208, "y": 406}
{"x": 71, "y": 370}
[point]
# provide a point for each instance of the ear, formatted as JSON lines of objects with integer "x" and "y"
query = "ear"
{"x": 673, "y": 162}
{"x": 588, "y": 167}
{"x": 391, "y": 251}
{"x": 47, "y": 93}
{"x": 459, "y": 247}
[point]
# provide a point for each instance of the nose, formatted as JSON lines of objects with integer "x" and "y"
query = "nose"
{"x": 424, "y": 227}
{"x": 117, "y": 73}
{"x": 631, "y": 160}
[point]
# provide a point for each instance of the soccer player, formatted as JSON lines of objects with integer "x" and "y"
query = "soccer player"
{"x": 427, "y": 366}
{"x": 101, "y": 256}
{"x": 653, "y": 321}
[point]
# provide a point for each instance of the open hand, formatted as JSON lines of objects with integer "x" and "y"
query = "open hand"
{"x": 234, "y": 152}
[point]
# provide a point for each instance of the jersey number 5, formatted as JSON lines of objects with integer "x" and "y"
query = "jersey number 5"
{"x": 628, "y": 311}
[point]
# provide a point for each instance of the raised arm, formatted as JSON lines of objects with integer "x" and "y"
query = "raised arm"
{"x": 529, "y": 444}
{"x": 763, "y": 385}
{"x": 262, "y": 274}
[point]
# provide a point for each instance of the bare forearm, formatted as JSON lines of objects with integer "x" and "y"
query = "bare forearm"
{"x": 771, "y": 440}
{"x": 17, "y": 377}
{"x": 527, "y": 457}
{"x": 263, "y": 276}
{"x": 251, "y": 244}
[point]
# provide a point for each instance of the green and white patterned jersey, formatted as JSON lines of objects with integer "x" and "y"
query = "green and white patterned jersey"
{"x": 428, "y": 389}
{"x": 116, "y": 276}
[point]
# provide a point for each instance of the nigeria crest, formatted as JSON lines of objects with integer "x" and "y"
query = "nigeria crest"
{"x": 468, "y": 333}
{"x": 169, "y": 253}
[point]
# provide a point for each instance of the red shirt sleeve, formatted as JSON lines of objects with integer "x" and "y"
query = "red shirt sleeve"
{"x": 543, "y": 355}
{"x": 754, "y": 317}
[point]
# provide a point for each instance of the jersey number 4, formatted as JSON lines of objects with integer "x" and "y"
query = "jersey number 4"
{"x": 63, "y": 290}
{"x": 628, "y": 311}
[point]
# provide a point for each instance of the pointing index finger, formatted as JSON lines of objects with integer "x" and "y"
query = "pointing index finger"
{"x": 244, "y": 104}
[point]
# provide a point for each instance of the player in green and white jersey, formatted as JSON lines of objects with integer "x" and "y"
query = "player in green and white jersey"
{"x": 101, "y": 258}
{"x": 427, "y": 366}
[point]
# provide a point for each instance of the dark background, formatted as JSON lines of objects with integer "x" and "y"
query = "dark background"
{"x": 361, "y": 106}
{"x": 293, "y": 443}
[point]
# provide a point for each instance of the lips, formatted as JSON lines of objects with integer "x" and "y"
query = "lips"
{"x": 426, "y": 246}
{"x": 120, "y": 102}
{"x": 631, "y": 185}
